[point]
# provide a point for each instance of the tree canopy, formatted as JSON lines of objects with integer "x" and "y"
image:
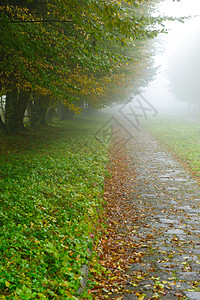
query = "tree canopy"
{"x": 65, "y": 50}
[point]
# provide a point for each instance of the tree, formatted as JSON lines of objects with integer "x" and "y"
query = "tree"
{"x": 67, "y": 49}
{"x": 184, "y": 73}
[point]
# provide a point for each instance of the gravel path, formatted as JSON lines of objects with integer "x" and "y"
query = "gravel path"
{"x": 167, "y": 201}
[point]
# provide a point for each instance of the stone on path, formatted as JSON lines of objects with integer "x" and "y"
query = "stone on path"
{"x": 193, "y": 295}
{"x": 168, "y": 200}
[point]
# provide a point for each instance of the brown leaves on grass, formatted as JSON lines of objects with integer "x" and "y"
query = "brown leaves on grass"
{"x": 117, "y": 249}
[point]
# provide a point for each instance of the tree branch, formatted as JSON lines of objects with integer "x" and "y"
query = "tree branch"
{"x": 41, "y": 21}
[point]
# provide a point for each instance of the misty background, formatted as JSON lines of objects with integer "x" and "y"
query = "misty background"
{"x": 176, "y": 88}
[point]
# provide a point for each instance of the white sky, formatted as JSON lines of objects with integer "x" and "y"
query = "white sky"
{"x": 178, "y": 44}
{"x": 180, "y": 8}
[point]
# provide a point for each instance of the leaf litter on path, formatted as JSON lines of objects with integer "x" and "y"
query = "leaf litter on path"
{"x": 150, "y": 247}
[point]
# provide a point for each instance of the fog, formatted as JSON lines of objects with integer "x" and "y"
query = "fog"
{"x": 178, "y": 55}
{"x": 175, "y": 90}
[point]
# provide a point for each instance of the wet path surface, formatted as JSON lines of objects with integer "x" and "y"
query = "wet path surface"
{"x": 167, "y": 202}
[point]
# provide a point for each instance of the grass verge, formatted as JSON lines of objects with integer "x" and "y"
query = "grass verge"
{"x": 51, "y": 188}
{"x": 183, "y": 139}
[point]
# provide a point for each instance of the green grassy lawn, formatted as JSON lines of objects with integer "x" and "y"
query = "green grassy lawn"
{"x": 183, "y": 139}
{"x": 51, "y": 187}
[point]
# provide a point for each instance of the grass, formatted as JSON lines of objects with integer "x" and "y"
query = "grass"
{"x": 51, "y": 187}
{"x": 183, "y": 139}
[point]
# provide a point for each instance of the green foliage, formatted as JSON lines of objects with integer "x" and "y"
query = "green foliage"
{"x": 51, "y": 189}
{"x": 62, "y": 48}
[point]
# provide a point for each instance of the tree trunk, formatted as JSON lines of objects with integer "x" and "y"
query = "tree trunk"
{"x": 38, "y": 109}
{"x": 90, "y": 109}
{"x": 49, "y": 114}
{"x": 42, "y": 115}
{"x": 15, "y": 107}
{"x": 2, "y": 125}
{"x": 64, "y": 112}
{"x": 11, "y": 111}
{"x": 32, "y": 109}
{"x": 23, "y": 101}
